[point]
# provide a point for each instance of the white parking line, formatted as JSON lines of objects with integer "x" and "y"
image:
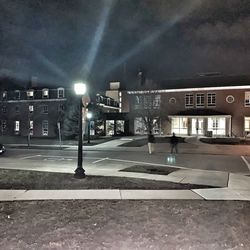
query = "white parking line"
{"x": 246, "y": 162}
{"x": 147, "y": 163}
{"x": 28, "y": 157}
{"x": 103, "y": 159}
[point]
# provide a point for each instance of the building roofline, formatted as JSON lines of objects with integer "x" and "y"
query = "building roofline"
{"x": 156, "y": 91}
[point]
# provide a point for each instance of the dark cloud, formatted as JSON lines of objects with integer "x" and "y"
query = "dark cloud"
{"x": 52, "y": 39}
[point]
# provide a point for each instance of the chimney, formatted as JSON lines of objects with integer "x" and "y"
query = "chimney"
{"x": 34, "y": 81}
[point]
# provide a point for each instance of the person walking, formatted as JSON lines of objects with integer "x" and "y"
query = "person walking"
{"x": 151, "y": 141}
{"x": 174, "y": 143}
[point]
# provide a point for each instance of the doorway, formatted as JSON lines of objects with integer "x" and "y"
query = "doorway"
{"x": 197, "y": 126}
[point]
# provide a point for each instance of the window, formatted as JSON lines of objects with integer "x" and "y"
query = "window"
{"x": 17, "y": 94}
{"x": 108, "y": 101}
{"x": 31, "y": 108}
{"x": 247, "y": 124}
{"x": 180, "y": 125}
{"x": 4, "y": 125}
{"x": 17, "y": 109}
{"x": 217, "y": 125}
{"x": 45, "y": 128}
{"x": 61, "y": 107}
{"x": 4, "y": 109}
{"x": 60, "y": 93}
{"x": 147, "y": 101}
{"x": 4, "y": 95}
{"x": 45, "y": 93}
{"x": 200, "y": 99}
{"x": 45, "y": 109}
{"x": 247, "y": 99}
{"x": 31, "y": 127}
{"x": 211, "y": 99}
{"x": 138, "y": 101}
{"x": 157, "y": 101}
{"x": 230, "y": 99}
{"x": 30, "y": 94}
{"x": 17, "y": 126}
{"x": 189, "y": 100}
{"x": 172, "y": 100}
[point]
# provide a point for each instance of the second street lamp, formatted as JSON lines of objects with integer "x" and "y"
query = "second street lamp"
{"x": 80, "y": 90}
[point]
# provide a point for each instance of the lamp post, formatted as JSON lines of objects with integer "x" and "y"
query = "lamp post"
{"x": 80, "y": 90}
{"x": 89, "y": 116}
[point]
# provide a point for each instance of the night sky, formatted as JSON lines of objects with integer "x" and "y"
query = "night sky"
{"x": 60, "y": 41}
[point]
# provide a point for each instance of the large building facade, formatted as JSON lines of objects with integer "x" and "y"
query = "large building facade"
{"x": 36, "y": 112}
{"x": 204, "y": 111}
{"x": 43, "y": 112}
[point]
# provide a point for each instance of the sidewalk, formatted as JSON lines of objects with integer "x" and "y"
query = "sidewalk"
{"x": 233, "y": 186}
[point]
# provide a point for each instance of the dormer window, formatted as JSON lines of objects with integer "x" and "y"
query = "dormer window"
{"x": 60, "y": 93}
{"x": 108, "y": 101}
{"x": 17, "y": 94}
{"x": 30, "y": 94}
{"x": 45, "y": 93}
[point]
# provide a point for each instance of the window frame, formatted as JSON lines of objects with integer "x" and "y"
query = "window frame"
{"x": 43, "y": 95}
{"x": 59, "y": 91}
{"x": 198, "y": 99}
{"x": 29, "y": 95}
{"x": 188, "y": 102}
{"x": 211, "y": 99}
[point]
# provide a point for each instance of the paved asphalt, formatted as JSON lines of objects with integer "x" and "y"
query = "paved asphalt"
{"x": 207, "y": 165}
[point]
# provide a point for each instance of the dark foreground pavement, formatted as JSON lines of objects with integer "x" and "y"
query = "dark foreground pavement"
{"x": 166, "y": 224}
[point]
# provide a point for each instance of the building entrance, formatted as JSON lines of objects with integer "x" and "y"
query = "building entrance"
{"x": 197, "y": 126}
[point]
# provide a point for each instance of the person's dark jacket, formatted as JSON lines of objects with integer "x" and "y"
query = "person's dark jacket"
{"x": 151, "y": 138}
{"x": 174, "y": 139}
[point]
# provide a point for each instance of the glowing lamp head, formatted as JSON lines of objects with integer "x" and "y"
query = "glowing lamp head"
{"x": 80, "y": 88}
{"x": 89, "y": 115}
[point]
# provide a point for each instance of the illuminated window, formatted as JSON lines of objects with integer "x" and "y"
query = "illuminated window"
{"x": 17, "y": 126}
{"x": 4, "y": 95}
{"x": 157, "y": 101}
{"x": 247, "y": 99}
{"x": 211, "y": 99}
{"x": 31, "y": 127}
{"x": 200, "y": 100}
{"x": 189, "y": 100}
{"x": 45, "y": 128}
{"x": 31, "y": 108}
{"x": 45, "y": 93}
{"x": 247, "y": 125}
{"x": 179, "y": 125}
{"x": 217, "y": 125}
{"x": 30, "y": 94}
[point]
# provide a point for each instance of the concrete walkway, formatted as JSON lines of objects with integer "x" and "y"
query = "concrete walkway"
{"x": 231, "y": 186}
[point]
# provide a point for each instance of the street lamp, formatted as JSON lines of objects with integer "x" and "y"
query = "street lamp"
{"x": 80, "y": 90}
{"x": 89, "y": 116}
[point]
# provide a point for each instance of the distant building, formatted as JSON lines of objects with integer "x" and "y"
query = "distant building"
{"x": 35, "y": 111}
{"x": 40, "y": 111}
{"x": 199, "y": 111}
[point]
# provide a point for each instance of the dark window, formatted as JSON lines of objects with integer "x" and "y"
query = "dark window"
{"x": 45, "y": 109}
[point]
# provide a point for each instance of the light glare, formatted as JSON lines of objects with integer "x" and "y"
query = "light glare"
{"x": 80, "y": 88}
